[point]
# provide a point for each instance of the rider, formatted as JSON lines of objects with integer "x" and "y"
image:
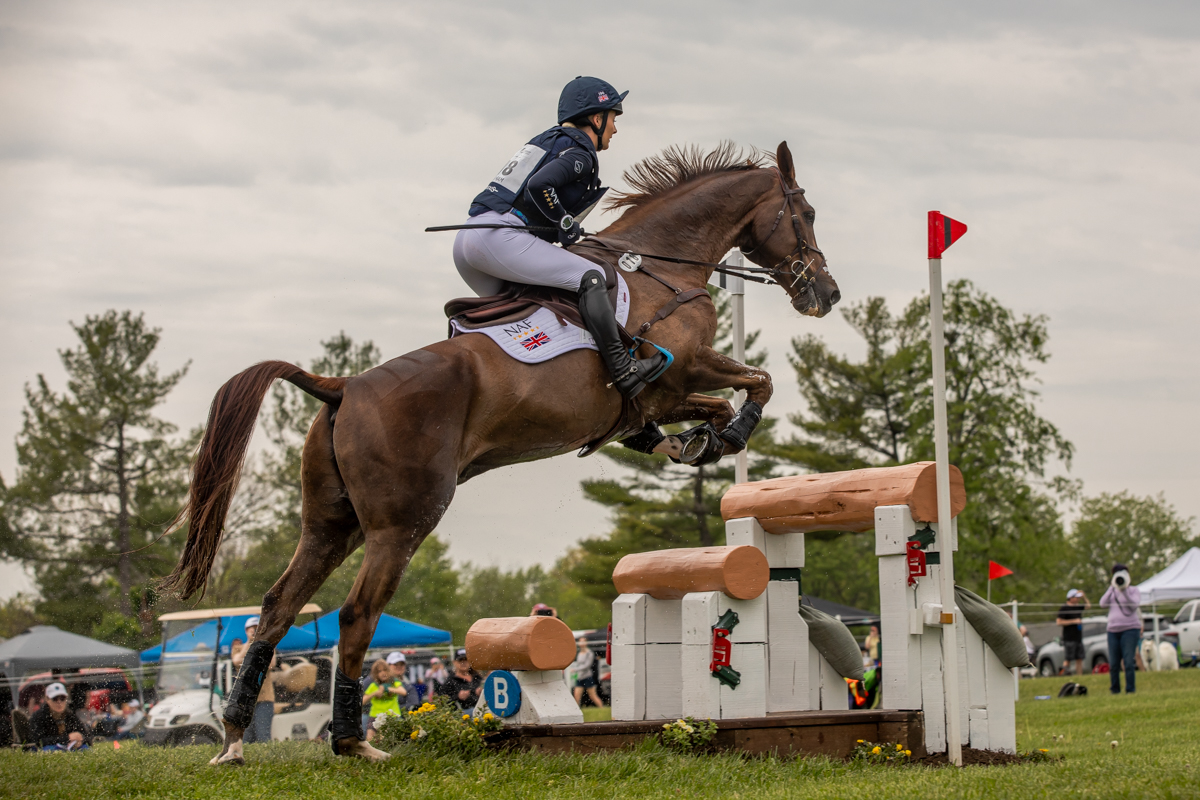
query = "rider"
{"x": 555, "y": 177}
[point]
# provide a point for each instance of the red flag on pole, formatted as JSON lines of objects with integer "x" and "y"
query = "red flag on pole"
{"x": 943, "y": 232}
{"x": 997, "y": 571}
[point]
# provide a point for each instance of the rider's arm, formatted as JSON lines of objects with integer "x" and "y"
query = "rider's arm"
{"x": 542, "y": 188}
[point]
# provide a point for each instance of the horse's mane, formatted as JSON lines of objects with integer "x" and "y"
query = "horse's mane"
{"x": 679, "y": 164}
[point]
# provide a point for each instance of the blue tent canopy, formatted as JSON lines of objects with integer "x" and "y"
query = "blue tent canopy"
{"x": 204, "y": 636}
{"x": 390, "y": 632}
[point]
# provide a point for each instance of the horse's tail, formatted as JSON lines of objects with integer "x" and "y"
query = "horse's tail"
{"x": 219, "y": 460}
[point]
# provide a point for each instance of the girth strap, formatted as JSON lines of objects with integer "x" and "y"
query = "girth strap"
{"x": 672, "y": 306}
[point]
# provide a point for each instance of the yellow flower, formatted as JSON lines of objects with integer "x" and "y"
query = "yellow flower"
{"x": 875, "y": 751}
{"x": 414, "y": 734}
{"x": 488, "y": 717}
{"x": 1043, "y": 750}
{"x": 466, "y": 716}
{"x": 899, "y": 747}
{"x": 860, "y": 741}
{"x": 908, "y": 752}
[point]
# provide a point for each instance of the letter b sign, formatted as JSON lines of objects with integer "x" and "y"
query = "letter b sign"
{"x": 502, "y": 693}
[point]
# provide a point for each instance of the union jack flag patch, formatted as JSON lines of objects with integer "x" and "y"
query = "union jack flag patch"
{"x": 535, "y": 341}
{"x": 602, "y": 97}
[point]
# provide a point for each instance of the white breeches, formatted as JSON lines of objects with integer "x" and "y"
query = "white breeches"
{"x": 488, "y": 257}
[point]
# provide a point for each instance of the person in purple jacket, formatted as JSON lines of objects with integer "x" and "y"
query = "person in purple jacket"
{"x": 1123, "y": 601}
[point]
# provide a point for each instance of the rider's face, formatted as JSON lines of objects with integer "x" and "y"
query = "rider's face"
{"x": 609, "y": 129}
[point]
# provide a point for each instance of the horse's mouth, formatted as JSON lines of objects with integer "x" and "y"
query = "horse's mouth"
{"x": 810, "y": 303}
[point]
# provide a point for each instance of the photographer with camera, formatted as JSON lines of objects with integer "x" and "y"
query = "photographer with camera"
{"x": 1123, "y": 601}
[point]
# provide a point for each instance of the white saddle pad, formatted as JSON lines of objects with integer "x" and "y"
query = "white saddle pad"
{"x": 540, "y": 336}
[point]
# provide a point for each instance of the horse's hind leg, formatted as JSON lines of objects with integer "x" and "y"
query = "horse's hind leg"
{"x": 329, "y": 533}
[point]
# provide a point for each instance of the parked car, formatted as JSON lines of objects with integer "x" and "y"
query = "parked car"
{"x": 1186, "y": 627}
{"x": 1049, "y": 658}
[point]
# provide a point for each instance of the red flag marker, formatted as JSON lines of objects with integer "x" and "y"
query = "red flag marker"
{"x": 997, "y": 571}
{"x": 943, "y": 232}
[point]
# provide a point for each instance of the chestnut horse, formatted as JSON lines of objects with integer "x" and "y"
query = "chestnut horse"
{"x": 384, "y": 455}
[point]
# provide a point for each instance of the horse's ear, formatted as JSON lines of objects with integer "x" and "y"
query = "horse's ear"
{"x": 783, "y": 157}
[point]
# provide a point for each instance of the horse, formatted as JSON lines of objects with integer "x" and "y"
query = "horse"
{"x": 388, "y": 449}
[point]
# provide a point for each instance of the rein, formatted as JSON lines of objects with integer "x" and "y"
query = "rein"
{"x": 802, "y": 244}
{"x": 741, "y": 272}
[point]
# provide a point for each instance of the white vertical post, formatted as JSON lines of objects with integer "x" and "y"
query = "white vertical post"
{"x": 1016, "y": 670}
{"x": 736, "y": 286}
{"x": 942, "y": 453}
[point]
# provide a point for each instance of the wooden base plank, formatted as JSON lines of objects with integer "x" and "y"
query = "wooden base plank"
{"x": 803, "y": 733}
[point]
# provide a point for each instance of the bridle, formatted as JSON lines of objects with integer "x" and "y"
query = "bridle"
{"x": 787, "y": 267}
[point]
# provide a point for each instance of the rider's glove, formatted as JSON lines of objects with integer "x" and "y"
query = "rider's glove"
{"x": 568, "y": 231}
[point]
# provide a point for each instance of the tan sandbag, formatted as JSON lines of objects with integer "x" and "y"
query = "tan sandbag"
{"x": 527, "y": 643}
{"x": 740, "y": 572}
{"x": 842, "y": 501}
{"x": 297, "y": 678}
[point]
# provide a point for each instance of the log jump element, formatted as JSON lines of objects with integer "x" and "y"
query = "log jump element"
{"x": 521, "y": 643}
{"x": 739, "y": 572}
{"x": 536, "y": 649}
{"x": 842, "y": 501}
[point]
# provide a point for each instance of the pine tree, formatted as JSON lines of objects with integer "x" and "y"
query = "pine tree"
{"x": 98, "y": 478}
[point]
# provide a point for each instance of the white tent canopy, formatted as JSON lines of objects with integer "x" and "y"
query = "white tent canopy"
{"x": 1179, "y": 581}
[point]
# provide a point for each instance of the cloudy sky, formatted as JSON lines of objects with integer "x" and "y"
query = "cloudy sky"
{"x": 255, "y": 177}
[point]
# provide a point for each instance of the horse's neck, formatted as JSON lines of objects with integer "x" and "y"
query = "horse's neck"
{"x": 702, "y": 223}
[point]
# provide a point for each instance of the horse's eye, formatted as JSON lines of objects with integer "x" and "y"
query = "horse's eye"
{"x": 811, "y": 216}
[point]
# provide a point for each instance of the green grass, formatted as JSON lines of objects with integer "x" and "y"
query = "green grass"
{"x": 1158, "y": 755}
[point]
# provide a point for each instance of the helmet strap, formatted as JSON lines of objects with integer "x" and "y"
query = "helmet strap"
{"x": 599, "y": 131}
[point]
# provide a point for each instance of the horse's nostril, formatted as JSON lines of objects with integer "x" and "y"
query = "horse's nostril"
{"x": 833, "y": 298}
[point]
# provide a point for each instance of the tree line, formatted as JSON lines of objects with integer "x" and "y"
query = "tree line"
{"x": 99, "y": 476}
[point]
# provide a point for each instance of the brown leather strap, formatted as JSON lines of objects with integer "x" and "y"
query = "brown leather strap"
{"x": 672, "y": 306}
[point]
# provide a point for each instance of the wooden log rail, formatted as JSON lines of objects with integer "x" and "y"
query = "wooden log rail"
{"x": 522, "y": 643}
{"x": 842, "y": 501}
{"x": 739, "y": 572}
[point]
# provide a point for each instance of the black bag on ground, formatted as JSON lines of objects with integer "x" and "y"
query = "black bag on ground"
{"x": 1072, "y": 689}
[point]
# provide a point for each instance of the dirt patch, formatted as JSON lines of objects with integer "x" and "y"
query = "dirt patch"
{"x": 982, "y": 758}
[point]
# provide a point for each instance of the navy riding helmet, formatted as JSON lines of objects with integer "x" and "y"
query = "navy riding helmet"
{"x": 589, "y": 96}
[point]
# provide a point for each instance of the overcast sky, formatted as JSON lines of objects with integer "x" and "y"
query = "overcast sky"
{"x": 255, "y": 177}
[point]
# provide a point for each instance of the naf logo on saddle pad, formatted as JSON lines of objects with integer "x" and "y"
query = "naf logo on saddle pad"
{"x": 540, "y": 336}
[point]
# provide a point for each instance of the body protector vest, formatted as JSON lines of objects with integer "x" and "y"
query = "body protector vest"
{"x": 555, "y": 174}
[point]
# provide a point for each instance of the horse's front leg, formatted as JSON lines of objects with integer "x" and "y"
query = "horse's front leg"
{"x": 711, "y": 371}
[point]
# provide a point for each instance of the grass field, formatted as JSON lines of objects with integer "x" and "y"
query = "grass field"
{"x": 1157, "y": 755}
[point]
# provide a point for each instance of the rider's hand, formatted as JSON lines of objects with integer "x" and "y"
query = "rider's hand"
{"x": 569, "y": 231}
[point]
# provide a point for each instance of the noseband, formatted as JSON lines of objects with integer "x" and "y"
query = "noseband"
{"x": 792, "y": 268}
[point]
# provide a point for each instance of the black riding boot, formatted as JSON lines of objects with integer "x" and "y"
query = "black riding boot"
{"x": 630, "y": 375}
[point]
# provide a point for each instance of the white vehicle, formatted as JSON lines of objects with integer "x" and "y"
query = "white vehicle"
{"x": 1187, "y": 625}
{"x": 190, "y": 707}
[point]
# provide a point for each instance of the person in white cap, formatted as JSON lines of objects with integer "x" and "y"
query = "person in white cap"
{"x": 259, "y": 729}
{"x": 54, "y": 727}
{"x": 1070, "y": 619}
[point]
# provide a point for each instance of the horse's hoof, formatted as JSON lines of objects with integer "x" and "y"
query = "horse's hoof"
{"x": 231, "y": 755}
{"x": 357, "y": 748}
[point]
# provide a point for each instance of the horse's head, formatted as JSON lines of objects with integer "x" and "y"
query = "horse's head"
{"x": 782, "y": 239}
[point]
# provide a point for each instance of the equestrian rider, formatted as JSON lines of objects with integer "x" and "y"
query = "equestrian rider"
{"x": 555, "y": 178}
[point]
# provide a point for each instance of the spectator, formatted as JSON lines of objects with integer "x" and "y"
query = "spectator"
{"x": 435, "y": 676}
{"x": 871, "y": 645}
{"x": 1030, "y": 650}
{"x": 398, "y": 664}
{"x": 1070, "y": 619}
{"x": 132, "y": 716}
{"x": 383, "y": 693}
{"x": 463, "y": 685}
{"x": 264, "y": 708}
{"x": 543, "y": 610}
{"x": 54, "y": 727}
{"x": 1123, "y": 601}
{"x": 584, "y": 670}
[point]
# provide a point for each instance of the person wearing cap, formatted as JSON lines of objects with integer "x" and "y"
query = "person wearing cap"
{"x": 264, "y": 708}
{"x": 464, "y": 683}
{"x": 54, "y": 727}
{"x": 1070, "y": 619}
{"x": 435, "y": 676}
{"x": 1123, "y": 601}
{"x": 386, "y": 689}
{"x": 543, "y": 610}
{"x": 539, "y": 197}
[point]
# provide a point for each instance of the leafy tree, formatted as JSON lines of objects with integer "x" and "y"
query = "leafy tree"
{"x": 1144, "y": 533}
{"x": 98, "y": 477}
{"x": 17, "y": 614}
{"x": 662, "y": 504}
{"x": 879, "y": 412}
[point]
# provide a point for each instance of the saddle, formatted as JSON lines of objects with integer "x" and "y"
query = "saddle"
{"x": 519, "y": 300}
